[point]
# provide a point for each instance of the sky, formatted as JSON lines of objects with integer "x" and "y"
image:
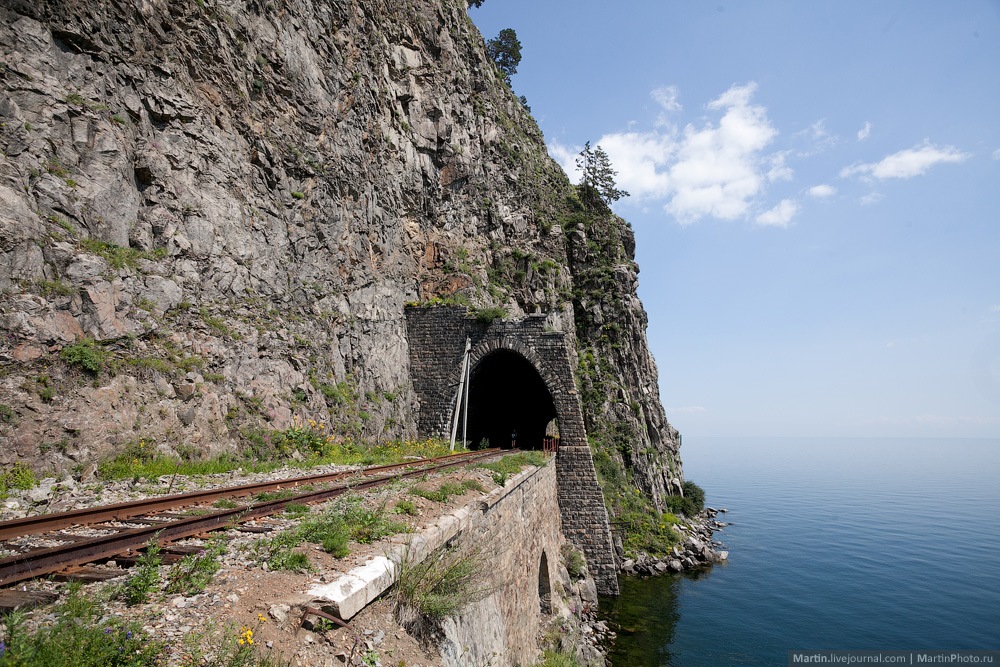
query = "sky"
{"x": 815, "y": 192}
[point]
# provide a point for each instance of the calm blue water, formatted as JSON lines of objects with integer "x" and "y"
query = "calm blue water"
{"x": 874, "y": 543}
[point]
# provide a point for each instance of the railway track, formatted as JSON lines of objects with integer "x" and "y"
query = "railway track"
{"x": 143, "y": 520}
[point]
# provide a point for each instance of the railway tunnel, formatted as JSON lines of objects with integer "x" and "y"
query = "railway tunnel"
{"x": 520, "y": 381}
{"x": 509, "y": 403}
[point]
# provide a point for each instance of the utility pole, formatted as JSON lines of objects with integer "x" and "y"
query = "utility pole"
{"x": 458, "y": 397}
{"x": 468, "y": 386}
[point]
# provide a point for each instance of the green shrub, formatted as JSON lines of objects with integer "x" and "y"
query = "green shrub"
{"x": 268, "y": 496}
{"x": 488, "y": 315}
{"x": 279, "y": 555}
{"x": 576, "y": 564}
{"x": 80, "y": 635}
{"x": 369, "y": 525}
{"x": 692, "y": 502}
{"x": 119, "y": 257}
{"x": 342, "y": 393}
{"x": 18, "y": 476}
{"x": 296, "y": 510}
{"x": 553, "y": 658}
{"x": 86, "y": 354}
{"x": 406, "y": 507}
{"x": 647, "y": 531}
{"x": 7, "y": 414}
{"x": 443, "y": 583}
{"x": 50, "y": 288}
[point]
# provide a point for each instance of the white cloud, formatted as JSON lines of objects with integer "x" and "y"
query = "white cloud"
{"x": 864, "y": 132}
{"x": 996, "y": 154}
{"x": 566, "y": 157}
{"x": 640, "y": 160}
{"x": 717, "y": 168}
{"x": 906, "y": 163}
{"x": 666, "y": 97}
{"x": 780, "y": 215}
{"x": 817, "y": 138}
{"x": 779, "y": 171}
{"x": 711, "y": 170}
{"x": 822, "y": 191}
{"x": 817, "y": 130}
{"x": 871, "y": 198}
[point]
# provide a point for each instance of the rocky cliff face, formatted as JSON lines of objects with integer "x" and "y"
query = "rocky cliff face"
{"x": 212, "y": 214}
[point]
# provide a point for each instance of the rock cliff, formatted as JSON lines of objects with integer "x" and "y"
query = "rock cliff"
{"x": 213, "y": 212}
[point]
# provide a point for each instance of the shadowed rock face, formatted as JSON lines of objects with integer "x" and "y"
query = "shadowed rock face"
{"x": 238, "y": 199}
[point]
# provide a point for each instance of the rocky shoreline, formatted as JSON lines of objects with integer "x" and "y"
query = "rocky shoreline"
{"x": 697, "y": 548}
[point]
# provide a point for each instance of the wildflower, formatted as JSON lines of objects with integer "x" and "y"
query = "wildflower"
{"x": 246, "y": 636}
{"x": 3, "y": 648}
{"x": 260, "y": 617}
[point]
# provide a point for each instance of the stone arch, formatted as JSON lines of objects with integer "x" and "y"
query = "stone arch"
{"x": 510, "y": 398}
{"x": 437, "y": 337}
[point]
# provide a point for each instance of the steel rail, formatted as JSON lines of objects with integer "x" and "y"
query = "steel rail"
{"x": 47, "y": 561}
{"x": 42, "y": 523}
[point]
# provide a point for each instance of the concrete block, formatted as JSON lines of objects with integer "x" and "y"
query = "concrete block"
{"x": 353, "y": 591}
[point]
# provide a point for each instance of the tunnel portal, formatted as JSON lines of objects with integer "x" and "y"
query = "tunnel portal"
{"x": 521, "y": 379}
{"x": 508, "y": 402}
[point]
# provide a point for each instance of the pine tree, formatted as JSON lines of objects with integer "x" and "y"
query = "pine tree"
{"x": 597, "y": 187}
{"x": 505, "y": 51}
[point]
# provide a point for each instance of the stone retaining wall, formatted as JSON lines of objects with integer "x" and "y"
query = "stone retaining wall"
{"x": 517, "y": 535}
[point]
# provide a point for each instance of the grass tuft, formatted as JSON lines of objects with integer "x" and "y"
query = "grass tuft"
{"x": 441, "y": 584}
{"x": 448, "y": 489}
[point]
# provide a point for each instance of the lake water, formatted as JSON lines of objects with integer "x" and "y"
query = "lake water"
{"x": 878, "y": 544}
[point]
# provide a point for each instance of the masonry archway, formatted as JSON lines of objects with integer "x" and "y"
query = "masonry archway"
{"x": 521, "y": 378}
{"x": 509, "y": 402}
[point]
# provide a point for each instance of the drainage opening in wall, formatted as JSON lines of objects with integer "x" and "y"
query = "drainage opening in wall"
{"x": 509, "y": 403}
{"x": 544, "y": 588}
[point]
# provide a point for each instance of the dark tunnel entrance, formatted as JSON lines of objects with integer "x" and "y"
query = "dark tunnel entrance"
{"x": 507, "y": 396}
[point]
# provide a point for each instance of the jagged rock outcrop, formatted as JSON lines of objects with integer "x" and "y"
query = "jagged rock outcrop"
{"x": 235, "y": 200}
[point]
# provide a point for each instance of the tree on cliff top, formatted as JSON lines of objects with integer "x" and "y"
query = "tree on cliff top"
{"x": 597, "y": 187}
{"x": 505, "y": 51}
